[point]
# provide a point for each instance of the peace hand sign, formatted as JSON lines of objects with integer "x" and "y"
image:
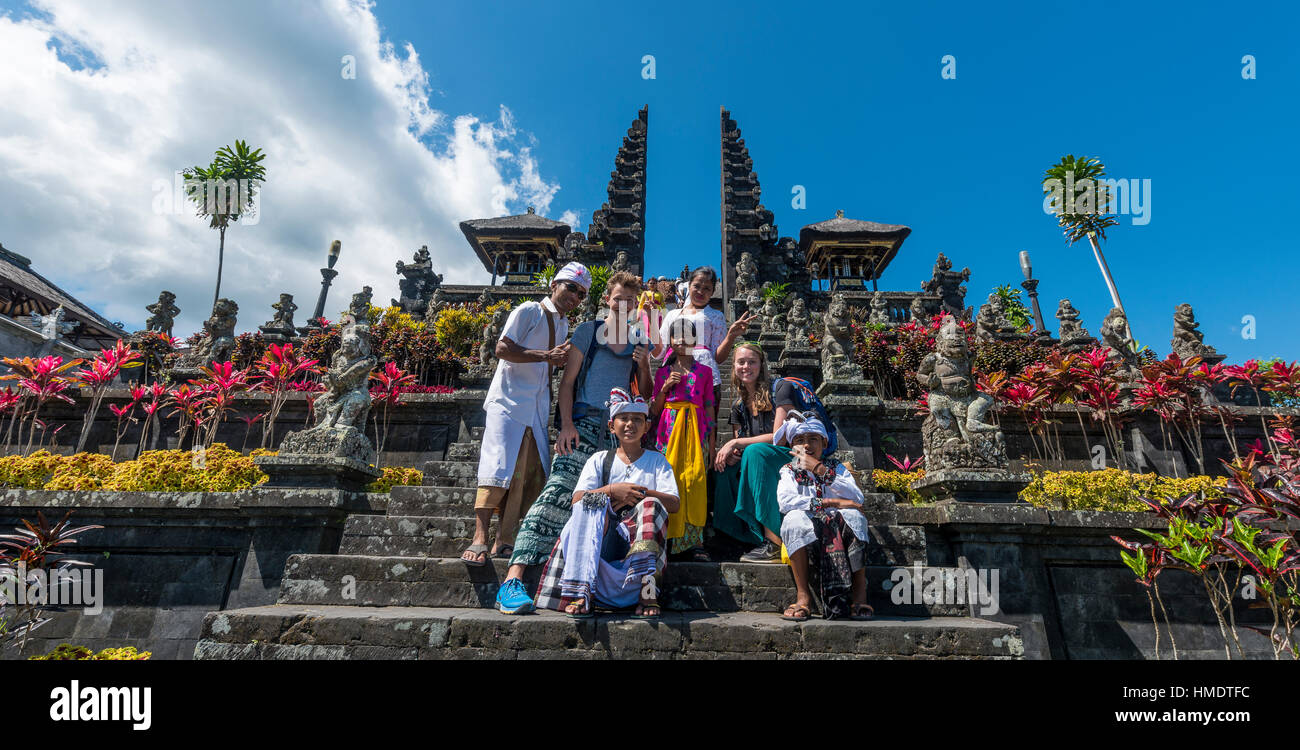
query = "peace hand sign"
{"x": 741, "y": 324}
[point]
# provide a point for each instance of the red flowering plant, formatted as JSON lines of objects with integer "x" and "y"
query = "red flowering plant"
{"x": 101, "y": 373}
{"x": 124, "y": 416}
{"x": 389, "y": 384}
{"x": 1176, "y": 390}
{"x": 39, "y": 380}
{"x": 1097, "y": 388}
{"x": 219, "y": 384}
{"x": 156, "y": 393}
{"x": 249, "y": 421}
{"x": 276, "y": 373}
{"x": 187, "y": 406}
{"x": 1255, "y": 377}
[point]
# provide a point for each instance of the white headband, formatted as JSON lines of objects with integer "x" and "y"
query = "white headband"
{"x": 622, "y": 402}
{"x": 797, "y": 424}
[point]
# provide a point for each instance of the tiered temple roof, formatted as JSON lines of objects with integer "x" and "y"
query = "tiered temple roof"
{"x": 849, "y": 250}
{"x": 620, "y": 223}
{"x": 747, "y": 225}
{"x": 515, "y": 246}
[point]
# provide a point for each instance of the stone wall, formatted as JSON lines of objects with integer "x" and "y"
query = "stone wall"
{"x": 1062, "y": 582}
{"x": 169, "y": 558}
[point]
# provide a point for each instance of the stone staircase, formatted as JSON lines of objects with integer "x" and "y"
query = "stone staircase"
{"x": 398, "y": 590}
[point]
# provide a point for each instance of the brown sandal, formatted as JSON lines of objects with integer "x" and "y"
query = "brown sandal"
{"x": 861, "y": 612}
{"x": 796, "y": 613}
{"x": 479, "y": 551}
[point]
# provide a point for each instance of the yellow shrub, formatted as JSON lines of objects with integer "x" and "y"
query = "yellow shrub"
{"x": 394, "y": 476}
{"x": 1109, "y": 489}
{"x": 69, "y": 652}
{"x": 899, "y": 483}
{"x": 223, "y": 470}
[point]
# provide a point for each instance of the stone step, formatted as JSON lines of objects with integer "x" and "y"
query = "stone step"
{"x": 431, "y": 501}
{"x": 451, "y": 473}
{"x": 397, "y": 581}
{"x": 458, "y": 501}
{"x": 447, "y": 536}
{"x": 298, "y": 632}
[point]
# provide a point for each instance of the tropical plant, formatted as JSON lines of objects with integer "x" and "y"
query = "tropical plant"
{"x": 777, "y": 292}
{"x": 546, "y": 276}
{"x": 390, "y": 382}
{"x": 1085, "y": 210}
{"x": 1017, "y": 314}
{"x": 28, "y": 559}
{"x": 209, "y": 188}
{"x": 101, "y": 373}
{"x": 279, "y": 366}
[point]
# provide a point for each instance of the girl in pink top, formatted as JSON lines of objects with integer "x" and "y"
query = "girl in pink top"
{"x": 684, "y": 404}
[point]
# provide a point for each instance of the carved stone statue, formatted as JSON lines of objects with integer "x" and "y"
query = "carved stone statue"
{"x": 284, "y": 309}
{"x": 746, "y": 275}
{"x": 955, "y": 434}
{"x": 879, "y": 310}
{"x": 918, "y": 311}
{"x": 1116, "y": 335}
{"x": 359, "y": 309}
{"x": 621, "y": 262}
{"x": 437, "y": 303}
{"x": 948, "y": 284}
{"x": 1189, "y": 342}
{"x": 797, "y": 326}
{"x": 1074, "y": 337}
{"x": 991, "y": 323}
{"x": 219, "y": 343}
{"x": 163, "y": 313}
{"x": 52, "y": 326}
{"x": 837, "y": 342}
{"x": 483, "y": 371}
{"x": 773, "y": 314}
{"x": 418, "y": 283}
{"x": 342, "y": 410}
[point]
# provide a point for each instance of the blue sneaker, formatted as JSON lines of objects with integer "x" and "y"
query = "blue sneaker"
{"x": 513, "y": 598}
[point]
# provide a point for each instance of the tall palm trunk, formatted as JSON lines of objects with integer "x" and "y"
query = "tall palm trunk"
{"x": 221, "y": 259}
{"x": 1105, "y": 271}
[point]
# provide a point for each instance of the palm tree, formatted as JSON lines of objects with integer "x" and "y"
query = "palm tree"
{"x": 1086, "y": 212}
{"x": 224, "y": 191}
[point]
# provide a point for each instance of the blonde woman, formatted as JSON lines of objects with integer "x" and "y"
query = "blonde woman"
{"x": 745, "y": 500}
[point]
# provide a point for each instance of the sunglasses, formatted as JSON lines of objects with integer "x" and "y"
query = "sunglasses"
{"x": 575, "y": 289}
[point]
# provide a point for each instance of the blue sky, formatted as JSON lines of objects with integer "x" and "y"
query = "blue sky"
{"x": 848, "y": 102}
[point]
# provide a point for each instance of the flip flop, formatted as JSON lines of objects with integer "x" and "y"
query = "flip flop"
{"x": 796, "y": 616}
{"x": 861, "y": 612}
{"x": 504, "y": 553}
{"x": 475, "y": 549}
{"x": 579, "y": 615}
{"x": 644, "y": 606}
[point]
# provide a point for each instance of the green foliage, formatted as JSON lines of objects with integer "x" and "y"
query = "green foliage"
{"x": 599, "y": 279}
{"x": 1017, "y": 313}
{"x": 777, "y": 292}
{"x": 546, "y": 276}
{"x": 223, "y": 205}
{"x": 69, "y": 652}
{"x": 1086, "y": 211}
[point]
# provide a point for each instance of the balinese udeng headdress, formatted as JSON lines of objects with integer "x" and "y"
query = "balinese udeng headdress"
{"x": 575, "y": 272}
{"x": 622, "y": 402}
{"x": 797, "y": 424}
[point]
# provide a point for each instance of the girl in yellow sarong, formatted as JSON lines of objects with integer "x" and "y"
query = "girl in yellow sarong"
{"x": 685, "y": 435}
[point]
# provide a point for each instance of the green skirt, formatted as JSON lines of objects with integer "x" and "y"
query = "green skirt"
{"x": 745, "y": 494}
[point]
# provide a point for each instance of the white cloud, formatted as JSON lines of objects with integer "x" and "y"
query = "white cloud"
{"x": 158, "y": 87}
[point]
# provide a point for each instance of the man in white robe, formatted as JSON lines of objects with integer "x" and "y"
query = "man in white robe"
{"x": 514, "y": 459}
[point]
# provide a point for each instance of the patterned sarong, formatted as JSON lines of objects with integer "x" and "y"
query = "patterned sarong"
{"x": 576, "y": 567}
{"x": 548, "y": 514}
{"x": 828, "y": 563}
